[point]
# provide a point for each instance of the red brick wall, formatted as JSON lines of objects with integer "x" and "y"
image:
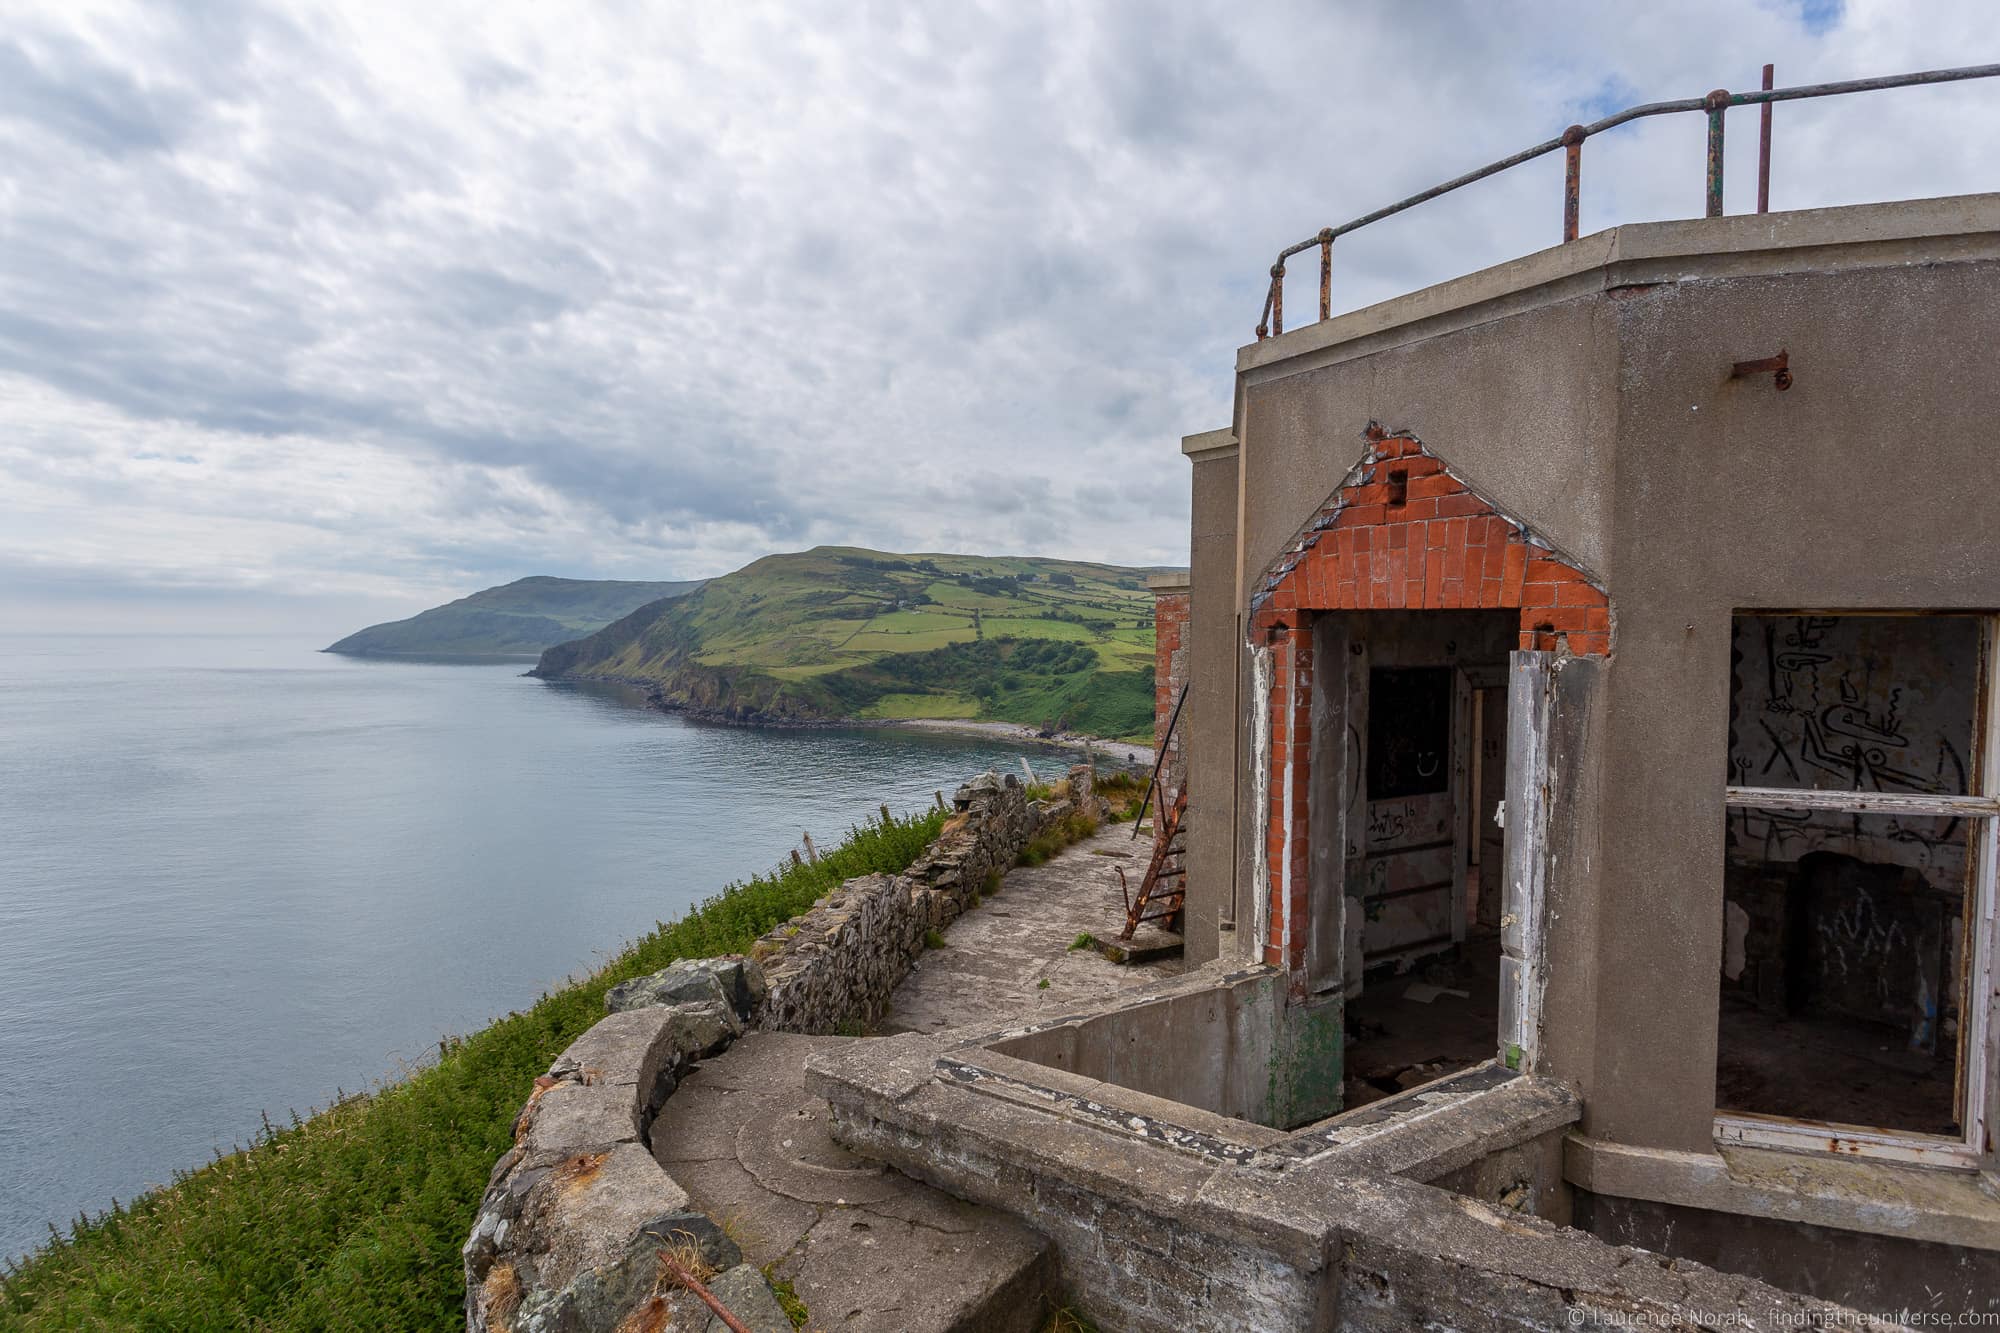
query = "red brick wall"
{"x": 1401, "y": 533}
{"x": 1170, "y": 622}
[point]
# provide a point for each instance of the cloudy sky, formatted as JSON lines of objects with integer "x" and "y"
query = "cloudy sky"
{"x": 319, "y": 314}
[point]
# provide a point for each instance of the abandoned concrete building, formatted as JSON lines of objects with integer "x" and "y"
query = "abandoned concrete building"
{"x": 1591, "y": 784}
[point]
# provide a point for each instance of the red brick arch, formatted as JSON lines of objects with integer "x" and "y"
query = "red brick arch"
{"x": 1402, "y": 533}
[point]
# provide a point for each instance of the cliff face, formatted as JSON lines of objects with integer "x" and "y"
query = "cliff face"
{"x": 656, "y": 647}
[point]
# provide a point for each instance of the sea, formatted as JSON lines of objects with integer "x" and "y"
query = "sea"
{"x": 239, "y": 876}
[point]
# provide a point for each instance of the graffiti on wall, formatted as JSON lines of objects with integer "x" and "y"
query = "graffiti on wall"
{"x": 1853, "y": 703}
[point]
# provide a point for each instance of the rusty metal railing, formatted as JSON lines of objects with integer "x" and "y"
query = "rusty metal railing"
{"x": 1714, "y": 105}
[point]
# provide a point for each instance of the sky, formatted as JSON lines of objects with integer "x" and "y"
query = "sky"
{"x": 312, "y": 315}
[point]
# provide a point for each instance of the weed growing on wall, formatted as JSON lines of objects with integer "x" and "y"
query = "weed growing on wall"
{"x": 1071, "y": 828}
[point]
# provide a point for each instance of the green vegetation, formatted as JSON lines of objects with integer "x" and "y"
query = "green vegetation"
{"x": 517, "y": 619}
{"x": 933, "y": 939}
{"x": 788, "y": 1297}
{"x": 1071, "y": 828}
{"x": 1086, "y": 940}
{"x": 837, "y": 632}
{"x": 1123, "y": 789}
{"x": 354, "y": 1217}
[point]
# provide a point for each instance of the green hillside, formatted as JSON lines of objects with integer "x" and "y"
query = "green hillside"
{"x": 839, "y": 632}
{"x": 517, "y": 619}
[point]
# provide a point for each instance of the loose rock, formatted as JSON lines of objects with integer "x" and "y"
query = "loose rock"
{"x": 749, "y": 1297}
{"x": 732, "y": 981}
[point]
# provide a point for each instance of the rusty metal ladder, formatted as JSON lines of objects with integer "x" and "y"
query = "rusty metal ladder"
{"x": 1164, "y": 889}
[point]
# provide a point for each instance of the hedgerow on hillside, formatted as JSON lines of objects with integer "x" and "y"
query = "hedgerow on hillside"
{"x": 353, "y": 1218}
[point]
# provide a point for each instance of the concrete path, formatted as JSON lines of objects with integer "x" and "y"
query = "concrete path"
{"x": 1011, "y": 960}
{"x": 865, "y": 1246}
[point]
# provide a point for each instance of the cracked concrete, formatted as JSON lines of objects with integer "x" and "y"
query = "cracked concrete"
{"x": 865, "y": 1246}
{"x": 998, "y": 955}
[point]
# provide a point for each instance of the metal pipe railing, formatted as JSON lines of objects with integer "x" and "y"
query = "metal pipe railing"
{"x": 1715, "y": 105}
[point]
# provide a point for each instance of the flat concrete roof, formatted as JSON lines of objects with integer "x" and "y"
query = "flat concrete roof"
{"x": 1175, "y": 580}
{"x": 1817, "y": 239}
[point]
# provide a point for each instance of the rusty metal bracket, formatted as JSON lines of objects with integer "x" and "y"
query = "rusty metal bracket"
{"x": 1764, "y": 146}
{"x": 1572, "y": 141}
{"x": 1779, "y": 367}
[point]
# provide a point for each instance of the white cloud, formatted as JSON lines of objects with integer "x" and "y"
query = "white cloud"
{"x": 396, "y": 301}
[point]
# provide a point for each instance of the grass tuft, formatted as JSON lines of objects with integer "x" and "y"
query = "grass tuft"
{"x": 1071, "y": 828}
{"x": 1122, "y": 790}
{"x": 361, "y": 1209}
{"x": 788, "y": 1297}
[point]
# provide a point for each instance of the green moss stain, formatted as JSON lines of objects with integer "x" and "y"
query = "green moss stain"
{"x": 1308, "y": 1062}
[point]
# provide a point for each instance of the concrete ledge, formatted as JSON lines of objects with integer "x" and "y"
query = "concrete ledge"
{"x": 1209, "y": 444}
{"x": 1154, "y": 1239}
{"x": 1122, "y": 1110}
{"x": 1845, "y": 1193}
{"x": 1423, "y": 1133}
{"x": 1441, "y": 1127}
{"x": 1960, "y": 228}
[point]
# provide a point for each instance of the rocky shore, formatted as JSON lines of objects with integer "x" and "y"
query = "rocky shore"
{"x": 1121, "y": 752}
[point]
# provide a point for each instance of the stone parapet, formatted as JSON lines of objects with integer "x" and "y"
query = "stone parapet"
{"x": 575, "y": 1215}
{"x": 836, "y": 965}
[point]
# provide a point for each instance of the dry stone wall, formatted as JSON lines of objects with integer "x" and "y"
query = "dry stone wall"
{"x": 836, "y": 965}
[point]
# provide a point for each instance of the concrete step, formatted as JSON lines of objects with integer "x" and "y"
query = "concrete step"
{"x": 1149, "y": 944}
{"x": 864, "y": 1246}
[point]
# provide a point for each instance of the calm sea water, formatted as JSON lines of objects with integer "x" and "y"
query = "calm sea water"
{"x": 237, "y": 875}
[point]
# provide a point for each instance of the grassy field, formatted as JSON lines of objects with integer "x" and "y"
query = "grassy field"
{"x": 353, "y": 1219}
{"x": 843, "y": 632}
{"x": 892, "y": 707}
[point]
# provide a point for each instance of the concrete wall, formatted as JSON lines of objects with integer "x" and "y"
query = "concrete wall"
{"x": 1870, "y": 1272}
{"x": 1854, "y": 489}
{"x": 1588, "y": 391}
{"x": 1534, "y": 433}
{"x": 1318, "y": 1233}
{"x": 1214, "y": 653}
{"x": 1211, "y": 1049}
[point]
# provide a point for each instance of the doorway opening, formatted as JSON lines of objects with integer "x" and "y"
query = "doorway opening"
{"x": 1422, "y": 882}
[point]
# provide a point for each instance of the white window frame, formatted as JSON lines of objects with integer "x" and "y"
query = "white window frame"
{"x": 1981, "y": 809}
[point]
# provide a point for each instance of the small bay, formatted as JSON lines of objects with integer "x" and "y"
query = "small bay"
{"x": 238, "y": 875}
